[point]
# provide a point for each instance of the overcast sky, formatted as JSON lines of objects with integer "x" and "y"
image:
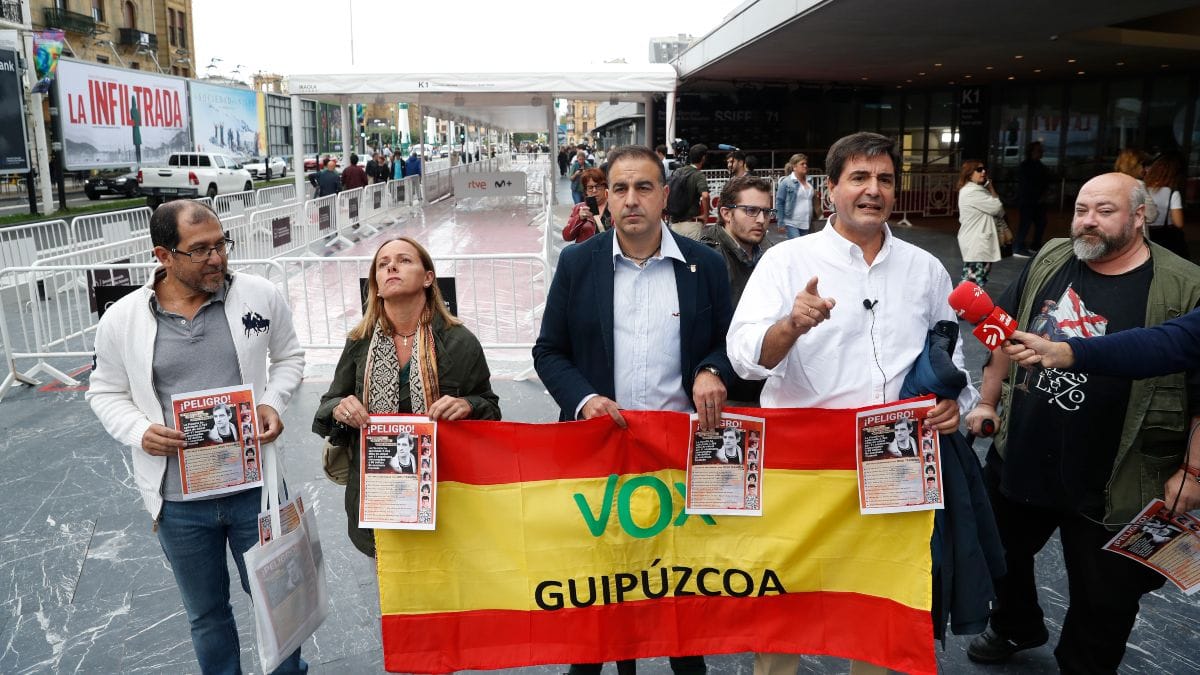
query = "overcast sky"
{"x": 313, "y": 36}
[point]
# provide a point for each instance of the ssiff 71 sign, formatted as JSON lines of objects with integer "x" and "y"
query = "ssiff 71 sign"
{"x": 489, "y": 184}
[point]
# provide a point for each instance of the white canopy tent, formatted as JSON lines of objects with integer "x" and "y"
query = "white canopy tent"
{"x": 504, "y": 100}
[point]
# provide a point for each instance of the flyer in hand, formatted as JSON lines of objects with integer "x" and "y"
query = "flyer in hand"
{"x": 398, "y": 473}
{"x": 221, "y": 452}
{"x": 724, "y": 467}
{"x": 1165, "y": 542}
{"x": 899, "y": 460}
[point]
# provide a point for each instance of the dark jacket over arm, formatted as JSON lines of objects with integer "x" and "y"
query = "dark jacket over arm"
{"x": 1170, "y": 347}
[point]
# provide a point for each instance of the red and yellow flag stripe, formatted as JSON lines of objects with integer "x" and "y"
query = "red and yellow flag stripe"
{"x": 567, "y": 543}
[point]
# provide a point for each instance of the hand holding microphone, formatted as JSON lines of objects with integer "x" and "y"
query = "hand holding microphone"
{"x": 1031, "y": 350}
{"x": 992, "y": 324}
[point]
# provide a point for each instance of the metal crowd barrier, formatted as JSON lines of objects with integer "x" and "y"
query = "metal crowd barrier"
{"x": 273, "y": 232}
{"x": 499, "y": 297}
{"x": 926, "y": 194}
{"x": 321, "y": 215}
{"x": 97, "y": 228}
{"x": 375, "y": 204}
{"x": 349, "y": 204}
{"x": 126, "y": 251}
{"x": 235, "y": 203}
{"x": 436, "y": 185}
{"x": 277, "y": 195}
{"x": 48, "y": 309}
{"x": 23, "y": 245}
{"x": 405, "y": 192}
{"x": 51, "y": 313}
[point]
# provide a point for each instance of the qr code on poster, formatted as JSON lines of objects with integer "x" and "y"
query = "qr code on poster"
{"x": 424, "y": 516}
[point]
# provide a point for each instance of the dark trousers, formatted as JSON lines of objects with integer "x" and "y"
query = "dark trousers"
{"x": 680, "y": 665}
{"x": 1032, "y": 216}
{"x": 1105, "y": 588}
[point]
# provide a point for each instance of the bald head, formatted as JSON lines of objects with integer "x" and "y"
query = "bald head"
{"x": 1110, "y": 213}
{"x": 164, "y": 224}
{"x": 1133, "y": 189}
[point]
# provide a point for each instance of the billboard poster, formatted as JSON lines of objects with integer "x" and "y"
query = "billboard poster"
{"x": 99, "y": 126}
{"x": 14, "y": 154}
{"x": 261, "y": 102}
{"x": 329, "y": 127}
{"x": 225, "y": 120}
{"x": 47, "y": 49}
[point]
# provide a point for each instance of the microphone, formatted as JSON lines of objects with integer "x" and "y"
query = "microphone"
{"x": 992, "y": 324}
{"x": 869, "y": 304}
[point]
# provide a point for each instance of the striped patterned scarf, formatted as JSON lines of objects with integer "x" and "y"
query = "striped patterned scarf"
{"x": 383, "y": 370}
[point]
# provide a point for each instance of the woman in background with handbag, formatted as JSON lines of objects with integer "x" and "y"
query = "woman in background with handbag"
{"x": 979, "y": 209}
{"x": 590, "y": 216}
{"x": 1162, "y": 182}
{"x": 407, "y": 355}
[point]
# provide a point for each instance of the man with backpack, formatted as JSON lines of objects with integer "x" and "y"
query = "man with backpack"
{"x": 687, "y": 199}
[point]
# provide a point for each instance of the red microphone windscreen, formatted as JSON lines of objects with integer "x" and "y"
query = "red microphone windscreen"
{"x": 970, "y": 302}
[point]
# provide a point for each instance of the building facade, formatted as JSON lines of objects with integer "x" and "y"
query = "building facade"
{"x": 665, "y": 49}
{"x": 580, "y": 119}
{"x": 153, "y": 35}
{"x": 1082, "y": 123}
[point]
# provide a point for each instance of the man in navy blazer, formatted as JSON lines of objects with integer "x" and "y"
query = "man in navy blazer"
{"x": 636, "y": 319}
{"x": 575, "y": 353}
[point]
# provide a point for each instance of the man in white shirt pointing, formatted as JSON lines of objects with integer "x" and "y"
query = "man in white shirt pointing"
{"x": 837, "y": 319}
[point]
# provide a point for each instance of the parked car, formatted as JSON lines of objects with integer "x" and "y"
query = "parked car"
{"x": 193, "y": 174}
{"x": 120, "y": 182}
{"x": 273, "y": 167}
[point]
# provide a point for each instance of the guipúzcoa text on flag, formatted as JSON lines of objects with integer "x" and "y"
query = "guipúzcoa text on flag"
{"x": 567, "y": 543}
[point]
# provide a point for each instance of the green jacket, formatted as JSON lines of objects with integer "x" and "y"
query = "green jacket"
{"x": 462, "y": 372}
{"x": 1154, "y": 435}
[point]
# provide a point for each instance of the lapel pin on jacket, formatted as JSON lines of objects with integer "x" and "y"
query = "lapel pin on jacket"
{"x": 692, "y": 268}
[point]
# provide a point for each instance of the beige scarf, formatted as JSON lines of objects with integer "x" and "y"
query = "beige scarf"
{"x": 383, "y": 372}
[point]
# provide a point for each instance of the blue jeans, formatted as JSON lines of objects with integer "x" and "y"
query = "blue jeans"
{"x": 193, "y": 536}
{"x": 576, "y": 195}
{"x": 793, "y": 231}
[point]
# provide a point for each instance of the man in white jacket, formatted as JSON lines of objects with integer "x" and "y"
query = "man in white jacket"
{"x": 194, "y": 326}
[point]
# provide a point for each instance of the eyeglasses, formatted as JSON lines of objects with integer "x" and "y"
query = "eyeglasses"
{"x": 201, "y": 254}
{"x": 596, "y": 187}
{"x": 982, "y": 169}
{"x": 753, "y": 211}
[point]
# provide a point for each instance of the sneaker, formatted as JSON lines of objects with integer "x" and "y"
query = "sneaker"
{"x": 991, "y": 647}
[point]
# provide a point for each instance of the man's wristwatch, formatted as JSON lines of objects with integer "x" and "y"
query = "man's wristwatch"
{"x": 714, "y": 370}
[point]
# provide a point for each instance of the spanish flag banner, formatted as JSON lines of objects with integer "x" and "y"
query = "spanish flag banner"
{"x": 568, "y": 543}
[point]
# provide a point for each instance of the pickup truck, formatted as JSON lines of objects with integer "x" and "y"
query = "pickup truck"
{"x": 192, "y": 174}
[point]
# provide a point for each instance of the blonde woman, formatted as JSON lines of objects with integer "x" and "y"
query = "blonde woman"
{"x": 1163, "y": 179}
{"x": 407, "y": 355}
{"x": 1132, "y": 163}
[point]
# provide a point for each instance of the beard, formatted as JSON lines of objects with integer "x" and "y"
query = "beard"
{"x": 1094, "y": 244}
